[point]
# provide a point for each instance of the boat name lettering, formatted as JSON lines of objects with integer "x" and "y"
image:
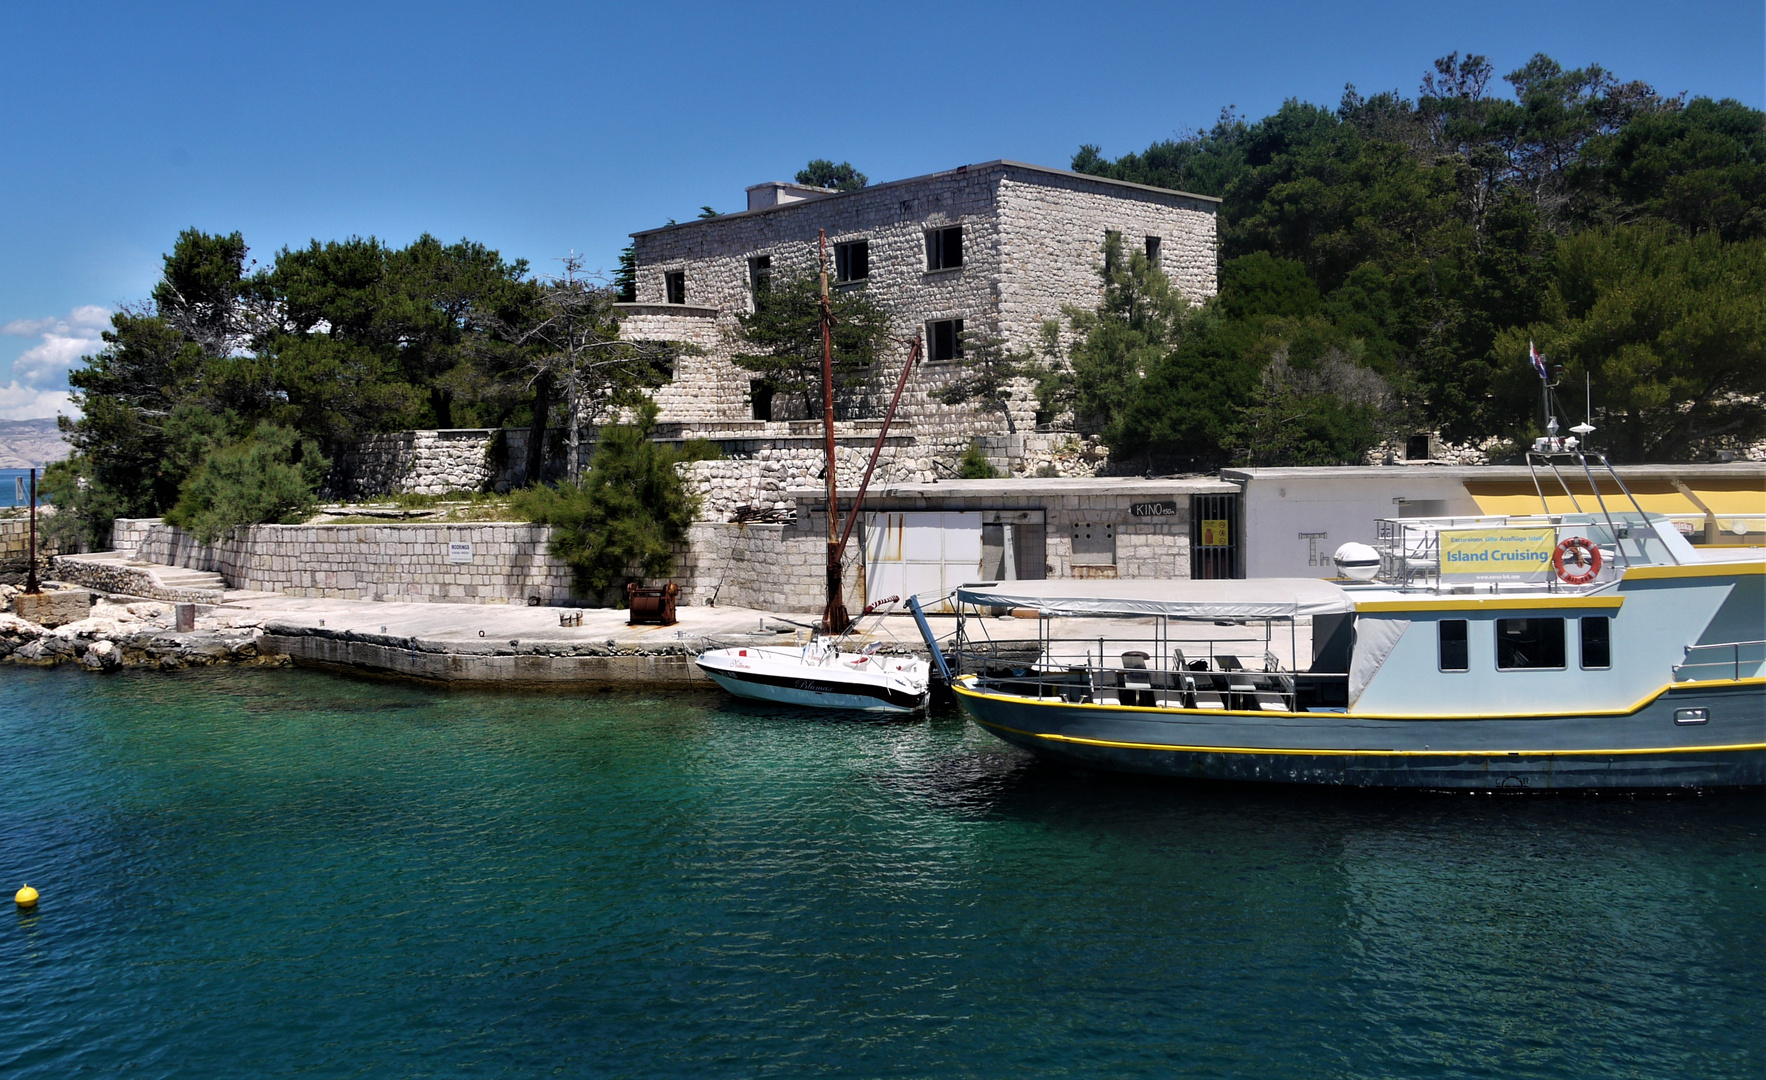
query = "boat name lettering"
{"x": 1506, "y": 553}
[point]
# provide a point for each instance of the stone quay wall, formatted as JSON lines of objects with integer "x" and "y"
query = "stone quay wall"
{"x": 508, "y": 562}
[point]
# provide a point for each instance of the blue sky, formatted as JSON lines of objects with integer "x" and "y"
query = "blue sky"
{"x": 542, "y": 128}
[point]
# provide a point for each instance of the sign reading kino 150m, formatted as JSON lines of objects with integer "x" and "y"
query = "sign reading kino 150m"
{"x": 1497, "y": 554}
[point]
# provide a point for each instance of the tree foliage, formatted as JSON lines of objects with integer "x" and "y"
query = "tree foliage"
{"x": 624, "y": 518}
{"x": 824, "y": 173}
{"x": 785, "y": 333}
{"x": 1427, "y": 238}
{"x": 268, "y": 476}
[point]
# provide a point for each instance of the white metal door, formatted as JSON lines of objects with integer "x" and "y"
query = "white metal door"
{"x": 924, "y": 555}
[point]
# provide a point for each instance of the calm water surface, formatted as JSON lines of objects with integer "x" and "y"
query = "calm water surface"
{"x": 287, "y": 873}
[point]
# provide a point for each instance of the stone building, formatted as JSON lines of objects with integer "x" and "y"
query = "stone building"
{"x": 999, "y": 247}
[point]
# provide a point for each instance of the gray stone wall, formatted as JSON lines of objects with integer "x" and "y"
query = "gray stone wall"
{"x": 416, "y": 462}
{"x": 15, "y": 547}
{"x": 1031, "y": 243}
{"x": 371, "y": 562}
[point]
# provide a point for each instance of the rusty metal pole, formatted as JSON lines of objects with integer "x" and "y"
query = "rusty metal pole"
{"x": 31, "y": 572}
{"x": 834, "y": 618}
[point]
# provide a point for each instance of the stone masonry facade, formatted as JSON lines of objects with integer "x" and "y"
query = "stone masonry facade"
{"x": 768, "y": 565}
{"x": 1031, "y": 241}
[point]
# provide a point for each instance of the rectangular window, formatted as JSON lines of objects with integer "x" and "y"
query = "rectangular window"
{"x": 1154, "y": 244}
{"x": 760, "y": 273}
{"x": 1454, "y": 653}
{"x": 852, "y": 260}
{"x": 944, "y": 248}
{"x": 1597, "y": 643}
{"x": 675, "y": 282}
{"x": 944, "y": 339}
{"x": 1529, "y": 643}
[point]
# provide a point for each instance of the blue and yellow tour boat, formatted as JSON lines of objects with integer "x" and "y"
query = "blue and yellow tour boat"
{"x": 1599, "y": 648}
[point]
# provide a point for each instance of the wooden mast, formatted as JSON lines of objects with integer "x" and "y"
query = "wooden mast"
{"x": 834, "y": 617}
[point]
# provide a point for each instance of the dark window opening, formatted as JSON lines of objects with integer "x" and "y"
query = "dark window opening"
{"x": 760, "y": 274}
{"x": 945, "y": 339}
{"x": 1455, "y": 654}
{"x": 675, "y": 281}
{"x": 1154, "y": 245}
{"x": 1416, "y": 448}
{"x": 944, "y": 248}
{"x": 1597, "y": 642}
{"x": 852, "y": 260}
{"x": 1529, "y": 643}
{"x": 760, "y": 394}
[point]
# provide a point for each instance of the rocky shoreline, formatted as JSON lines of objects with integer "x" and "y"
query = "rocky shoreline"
{"x": 137, "y": 635}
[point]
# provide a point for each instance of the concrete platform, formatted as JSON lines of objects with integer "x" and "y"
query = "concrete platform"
{"x": 489, "y": 643}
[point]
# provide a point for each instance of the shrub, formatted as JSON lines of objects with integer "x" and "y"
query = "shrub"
{"x": 269, "y": 476}
{"x": 975, "y": 465}
{"x": 626, "y": 513}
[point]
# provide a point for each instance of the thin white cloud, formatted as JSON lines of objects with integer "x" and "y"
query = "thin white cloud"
{"x": 44, "y": 366}
{"x": 91, "y": 318}
{"x": 30, "y": 403}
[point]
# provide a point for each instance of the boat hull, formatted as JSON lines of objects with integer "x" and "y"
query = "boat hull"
{"x": 1643, "y": 749}
{"x": 811, "y": 687}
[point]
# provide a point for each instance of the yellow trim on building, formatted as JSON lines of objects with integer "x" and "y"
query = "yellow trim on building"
{"x": 1737, "y": 497}
{"x": 1425, "y": 604}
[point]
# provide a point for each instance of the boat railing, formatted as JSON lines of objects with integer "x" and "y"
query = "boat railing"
{"x": 1205, "y": 674}
{"x": 1410, "y": 548}
{"x": 1717, "y": 661}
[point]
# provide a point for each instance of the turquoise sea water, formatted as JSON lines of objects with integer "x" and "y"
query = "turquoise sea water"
{"x": 268, "y": 873}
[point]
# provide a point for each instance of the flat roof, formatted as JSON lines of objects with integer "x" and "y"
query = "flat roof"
{"x": 999, "y": 163}
{"x": 1738, "y": 470}
{"x": 1020, "y": 487}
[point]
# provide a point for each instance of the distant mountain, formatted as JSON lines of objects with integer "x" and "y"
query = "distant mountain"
{"x": 27, "y": 443}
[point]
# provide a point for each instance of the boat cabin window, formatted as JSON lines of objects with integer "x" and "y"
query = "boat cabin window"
{"x": 1454, "y": 654}
{"x": 1529, "y": 643}
{"x": 1597, "y": 644}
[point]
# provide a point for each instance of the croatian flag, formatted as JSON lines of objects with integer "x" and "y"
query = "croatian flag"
{"x": 1538, "y": 361}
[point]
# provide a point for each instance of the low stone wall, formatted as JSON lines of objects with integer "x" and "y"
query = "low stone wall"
{"x": 15, "y": 547}
{"x": 119, "y": 578}
{"x": 506, "y": 563}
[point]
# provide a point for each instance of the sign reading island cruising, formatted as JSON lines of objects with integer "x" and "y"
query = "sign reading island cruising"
{"x": 1497, "y": 554}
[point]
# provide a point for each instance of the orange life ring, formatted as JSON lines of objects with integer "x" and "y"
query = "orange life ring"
{"x": 1584, "y": 557}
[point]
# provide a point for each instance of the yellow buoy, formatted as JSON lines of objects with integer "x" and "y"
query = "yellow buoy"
{"x": 27, "y": 897}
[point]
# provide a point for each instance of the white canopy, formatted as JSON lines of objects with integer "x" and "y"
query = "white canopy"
{"x": 1254, "y": 598}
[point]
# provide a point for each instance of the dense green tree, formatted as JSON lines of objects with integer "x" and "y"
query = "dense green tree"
{"x": 1099, "y": 357}
{"x": 268, "y": 476}
{"x": 784, "y": 332}
{"x": 1671, "y": 332}
{"x": 824, "y": 173}
{"x": 624, "y": 519}
{"x": 1428, "y": 230}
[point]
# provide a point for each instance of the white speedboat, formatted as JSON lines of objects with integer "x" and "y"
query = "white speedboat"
{"x": 821, "y": 675}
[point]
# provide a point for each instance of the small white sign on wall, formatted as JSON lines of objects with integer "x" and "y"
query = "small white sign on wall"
{"x": 459, "y": 553}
